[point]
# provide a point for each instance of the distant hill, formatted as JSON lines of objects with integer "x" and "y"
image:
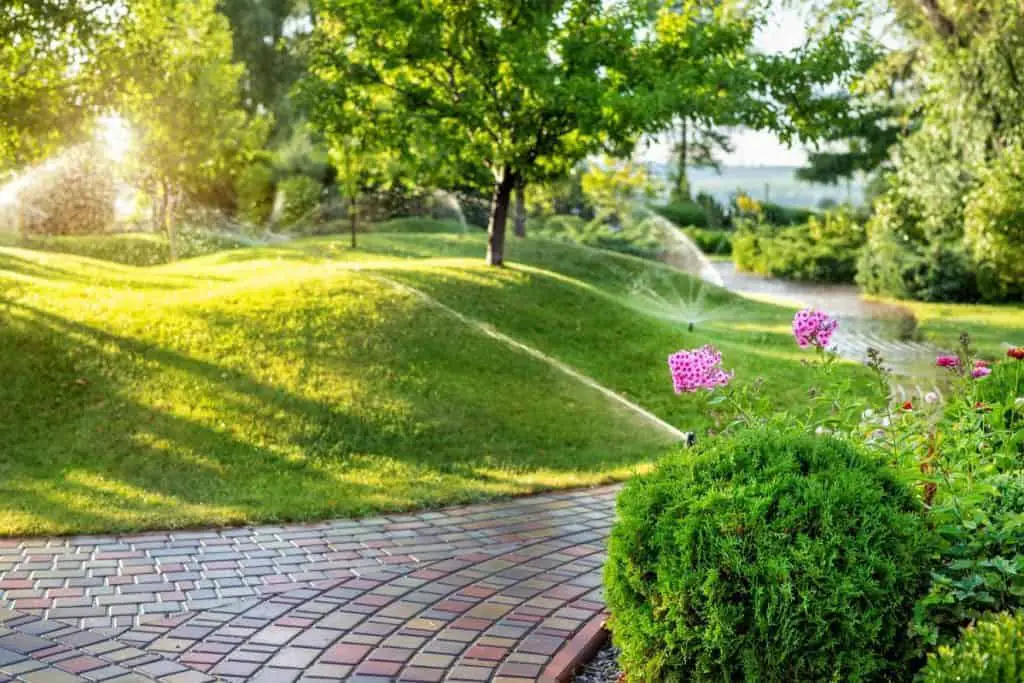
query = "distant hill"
{"x": 774, "y": 183}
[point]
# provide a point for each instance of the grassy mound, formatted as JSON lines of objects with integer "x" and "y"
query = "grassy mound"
{"x": 297, "y": 382}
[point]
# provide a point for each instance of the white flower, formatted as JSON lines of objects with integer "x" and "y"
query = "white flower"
{"x": 867, "y": 414}
{"x": 885, "y": 422}
{"x": 931, "y": 397}
{"x": 822, "y": 431}
{"x": 1019, "y": 401}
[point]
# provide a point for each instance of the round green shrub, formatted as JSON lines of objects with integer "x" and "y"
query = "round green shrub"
{"x": 301, "y": 197}
{"x": 991, "y": 651}
{"x": 254, "y": 189}
{"x": 769, "y": 556}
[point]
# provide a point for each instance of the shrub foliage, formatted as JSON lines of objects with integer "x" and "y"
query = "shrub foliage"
{"x": 992, "y": 651}
{"x": 820, "y": 250}
{"x": 768, "y": 556}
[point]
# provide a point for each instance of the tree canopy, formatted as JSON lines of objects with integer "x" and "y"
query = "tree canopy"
{"x": 51, "y": 81}
{"x": 181, "y": 96}
{"x": 509, "y": 93}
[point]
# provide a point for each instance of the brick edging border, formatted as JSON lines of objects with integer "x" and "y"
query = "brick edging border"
{"x": 578, "y": 651}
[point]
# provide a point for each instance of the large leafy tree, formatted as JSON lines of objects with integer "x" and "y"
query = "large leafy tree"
{"x": 518, "y": 92}
{"x": 946, "y": 226}
{"x": 51, "y": 74}
{"x": 265, "y": 36}
{"x": 183, "y": 101}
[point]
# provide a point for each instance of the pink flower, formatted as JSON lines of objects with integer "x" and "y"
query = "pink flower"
{"x": 980, "y": 371}
{"x": 948, "y": 361}
{"x": 811, "y": 327}
{"x": 697, "y": 369}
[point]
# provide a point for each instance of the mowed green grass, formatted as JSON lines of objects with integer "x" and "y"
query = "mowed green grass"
{"x": 992, "y": 328}
{"x": 296, "y": 382}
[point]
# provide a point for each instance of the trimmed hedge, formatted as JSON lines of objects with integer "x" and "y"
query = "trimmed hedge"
{"x": 683, "y": 214}
{"x": 132, "y": 248}
{"x": 769, "y": 556}
{"x": 992, "y": 651}
{"x": 711, "y": 241}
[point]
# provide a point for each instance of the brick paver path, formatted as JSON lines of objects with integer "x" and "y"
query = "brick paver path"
{"x": 477, "y": 593}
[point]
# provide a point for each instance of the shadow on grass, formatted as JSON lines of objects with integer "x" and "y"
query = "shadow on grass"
{"x": 108, "y": 432}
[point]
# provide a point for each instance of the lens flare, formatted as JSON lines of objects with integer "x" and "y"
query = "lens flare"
{"x": 116, "y": 136}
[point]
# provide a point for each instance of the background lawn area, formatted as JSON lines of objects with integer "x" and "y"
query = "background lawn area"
{"x": 293, "y": 383}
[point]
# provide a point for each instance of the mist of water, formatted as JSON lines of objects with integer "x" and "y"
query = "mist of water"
{"x": 450, "y": 202}
{"x": 680, "y": 251}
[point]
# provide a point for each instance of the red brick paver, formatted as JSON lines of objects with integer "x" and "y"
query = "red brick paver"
{"x": 475, "y": 593}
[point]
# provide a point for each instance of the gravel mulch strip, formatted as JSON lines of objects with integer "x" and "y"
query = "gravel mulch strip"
{"x": 603, "y": 668}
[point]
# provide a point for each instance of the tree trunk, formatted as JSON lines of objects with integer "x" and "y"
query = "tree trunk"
{"x": 167, "y": 222}
{"x": 353, "y": 218}
{"x": 520, "y": 220}
{"x": 940, "y": 21}
{"x": 499, "y": 218}
{"x": 681, "y": 191}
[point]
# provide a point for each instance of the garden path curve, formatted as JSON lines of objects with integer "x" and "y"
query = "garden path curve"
{"x": 488, "y": 592}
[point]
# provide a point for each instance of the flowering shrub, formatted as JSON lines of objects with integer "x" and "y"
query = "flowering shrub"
{"x": 683, "y": 578}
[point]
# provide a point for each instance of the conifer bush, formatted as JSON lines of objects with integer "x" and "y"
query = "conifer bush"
{"x": 772, "y": 555}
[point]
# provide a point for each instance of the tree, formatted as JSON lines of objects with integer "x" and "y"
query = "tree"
{"x": 961, "y": 167}
{"x": 51, "y": 83}
{"x": 183, "y": 102}
{"x": 882, "y": 110}
{"x": 614, "y": 186}
{"x": 265, "y": 38}
{"x": 526, "y": 90}
{"x": 696, "y": 145}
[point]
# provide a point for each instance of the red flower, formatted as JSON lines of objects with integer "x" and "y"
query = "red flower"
{"x": 981, "y": 406}
{"x": 1016, "y": 352}
{"x": 908, "y": 405}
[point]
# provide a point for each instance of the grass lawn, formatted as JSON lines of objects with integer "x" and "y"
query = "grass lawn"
{"x": 292, "y": 383}
{"x": 992, "y": 328}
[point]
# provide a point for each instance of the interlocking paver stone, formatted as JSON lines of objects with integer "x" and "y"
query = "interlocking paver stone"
{"x": 485, "y": 592}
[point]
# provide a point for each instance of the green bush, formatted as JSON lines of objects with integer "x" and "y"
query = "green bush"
{"x": 915, "y": 246}
{"x": 133, "y": 249}
{"x": 992, "y": 651}
{"x": 683, "y": 214}
{"x": 821, "y": 250}
{"x": 641, "y": 238}
{"x": 769, "y": 556}
{"x": 776, "y": 214}
{"x": 994, "y": 228}
{"x": 711, "y": 241}
{"x": 714, "y": 211}
{"x": 254, "y": 189}
{"x": 301, "y": 199}
{"x": 893, "y": 263}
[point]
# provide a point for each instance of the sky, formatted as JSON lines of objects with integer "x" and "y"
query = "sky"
{"x": 784, "y": 32}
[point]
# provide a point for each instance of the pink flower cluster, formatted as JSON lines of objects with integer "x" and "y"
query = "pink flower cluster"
{"x": 697, "y": 369}
{"x": 981, "y": 369}
{"x": 811, "y": 327}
